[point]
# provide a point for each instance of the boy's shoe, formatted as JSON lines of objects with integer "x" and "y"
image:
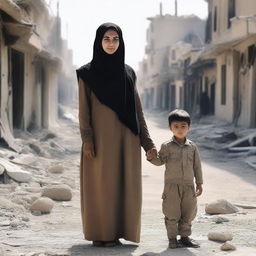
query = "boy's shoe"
{"x": 188, "y": 242}
{"x": 173, "y": 243}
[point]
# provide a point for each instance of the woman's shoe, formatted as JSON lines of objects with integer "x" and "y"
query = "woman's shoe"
{"x": 110, "y": 243}
{"x": 98, "y": 243}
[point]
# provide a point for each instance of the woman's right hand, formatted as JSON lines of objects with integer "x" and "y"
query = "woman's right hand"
{"x": 88, "y": 150}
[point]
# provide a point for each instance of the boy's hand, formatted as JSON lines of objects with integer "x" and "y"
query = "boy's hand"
{"x": 152, "y": 153}
{"x": 199, "y": 189}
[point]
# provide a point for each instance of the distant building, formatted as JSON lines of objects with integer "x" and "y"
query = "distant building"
{"x": 158, "y": 71}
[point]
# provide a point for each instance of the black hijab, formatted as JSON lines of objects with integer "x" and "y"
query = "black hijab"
{"x": 111, "y": 80}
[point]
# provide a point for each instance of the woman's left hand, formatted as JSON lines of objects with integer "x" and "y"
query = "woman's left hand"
{"x": 152, "y": 153}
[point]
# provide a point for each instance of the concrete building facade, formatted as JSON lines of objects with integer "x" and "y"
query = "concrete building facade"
{"x": 29, "y": 68}
{"x": 158, "y": 71}
{"x": 232, "y": 42}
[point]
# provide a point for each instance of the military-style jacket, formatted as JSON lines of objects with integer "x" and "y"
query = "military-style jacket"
{"x": 182, "y": 162}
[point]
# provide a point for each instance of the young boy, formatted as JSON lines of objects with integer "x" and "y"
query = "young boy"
{"x": 182, "y": 166}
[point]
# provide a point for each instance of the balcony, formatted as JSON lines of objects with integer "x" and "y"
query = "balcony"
{"x": 243, "y": 26}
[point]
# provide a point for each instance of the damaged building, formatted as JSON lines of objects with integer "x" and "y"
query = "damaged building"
{"x": 30, "y": 67}
{"x": 231, "y": 40}
{"x": 219, "y": 79}
{"x": 158, "y": 72}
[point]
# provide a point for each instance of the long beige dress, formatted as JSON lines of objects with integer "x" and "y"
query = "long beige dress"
{"x": 110, "y": 183}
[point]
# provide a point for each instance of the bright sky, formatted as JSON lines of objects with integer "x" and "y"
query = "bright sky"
{"x": 81, "y": 18}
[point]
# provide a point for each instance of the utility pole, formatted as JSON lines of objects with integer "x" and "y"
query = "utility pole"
{"x": 176, "y": 8}
{"x": 58, "y": 8}
{"x": 161, "y": 9}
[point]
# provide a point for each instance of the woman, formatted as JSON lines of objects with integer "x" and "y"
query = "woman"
{"x": 112, "y": 128}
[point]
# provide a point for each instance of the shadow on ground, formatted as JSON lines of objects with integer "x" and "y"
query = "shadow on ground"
{"x": 88, "y": 249}
{"x": 173, "y": 252}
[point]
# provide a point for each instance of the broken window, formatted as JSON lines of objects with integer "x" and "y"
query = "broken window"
{"x": 16, "y": 73}
{"x": 251, "y": 54}
{"x": 231, "y": 11}
{"x": 206, "y": 85}
{"x": 215, "y": 19}
{"x": 223, "y": 84}
{"x": 173, "y": 55}
{"x": 208, "y": 31}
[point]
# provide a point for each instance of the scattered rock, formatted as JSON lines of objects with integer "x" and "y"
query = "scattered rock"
{"x": 25, "y": 219}
{"x": 14, "y": 224}
{"x": 8, "y": 205}
{"x": 2, "y": 169}
{"x": 220, "y": 219}
{"x": 56, "y": 169}
{"x": 220, "y": 207}
{"x": 26, "y": 159}
{"x": 227, "y": 247}
{"x": 48, "y": 136}
{"x": 43, "y": 205}
{"x": 220, "y": 236}
{"x": 15, "y": 172}
{"x": 53, "y": 144}
{"x": 36, "y": 148}
{"x": 58, "y": 192}
{"x": 33, "y": 189}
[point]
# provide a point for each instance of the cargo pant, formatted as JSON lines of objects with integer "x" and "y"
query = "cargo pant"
{"x": 179, "y": 208}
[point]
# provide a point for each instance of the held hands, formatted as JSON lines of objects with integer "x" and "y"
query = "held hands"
{"x": 88, "y": 150}
{"x": 152, "y": 153}
{"x": 199, "y": 189}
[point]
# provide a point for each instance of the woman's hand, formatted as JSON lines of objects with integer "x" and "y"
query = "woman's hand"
{"x": 152, "y": 153}
{"x": 88, "y": 150}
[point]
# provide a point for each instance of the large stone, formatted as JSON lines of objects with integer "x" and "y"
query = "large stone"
{"x": 58, "y": 192}
{"x": 220, "y": 207}
{"x": 56, "y": 169}
{"x": 26, "y": 159}
{"x": 42, "y": 204}
{"x": 219, "y": 219}
{"x": 227, "y": 247}
{"x": 15, "y": 172}
{"x": 220, "y": 236}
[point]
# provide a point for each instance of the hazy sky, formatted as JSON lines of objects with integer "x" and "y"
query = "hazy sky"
{"x": 81, "y": 18}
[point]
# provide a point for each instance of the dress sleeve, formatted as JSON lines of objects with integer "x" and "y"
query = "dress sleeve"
{"x": 145, "y": 140}
{"x": 84, "y": 113}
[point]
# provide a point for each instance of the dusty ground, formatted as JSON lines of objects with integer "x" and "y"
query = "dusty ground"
{"x": 59, "y": 233}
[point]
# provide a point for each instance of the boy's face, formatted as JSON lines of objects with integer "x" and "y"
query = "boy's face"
{"x": 179, "y": 129}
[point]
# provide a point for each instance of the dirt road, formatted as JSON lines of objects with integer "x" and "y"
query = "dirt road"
{"x": 59, "y": 233}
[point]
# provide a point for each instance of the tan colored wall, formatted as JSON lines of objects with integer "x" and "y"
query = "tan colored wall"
{"x": 224, "y": 112}
{"x": 245, "y": 7}
{"x": 247, "y": 86}
{"x": 28, "y": 89}
{"x": 223, "y": 33}
{"x": 51, "y": 99}
{"x": 4, "y": 76}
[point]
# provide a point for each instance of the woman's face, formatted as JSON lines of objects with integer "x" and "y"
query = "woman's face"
{"x": 110, "y": 41}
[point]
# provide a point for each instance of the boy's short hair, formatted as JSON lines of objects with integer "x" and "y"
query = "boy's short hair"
{"x": 179, "y": 115}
